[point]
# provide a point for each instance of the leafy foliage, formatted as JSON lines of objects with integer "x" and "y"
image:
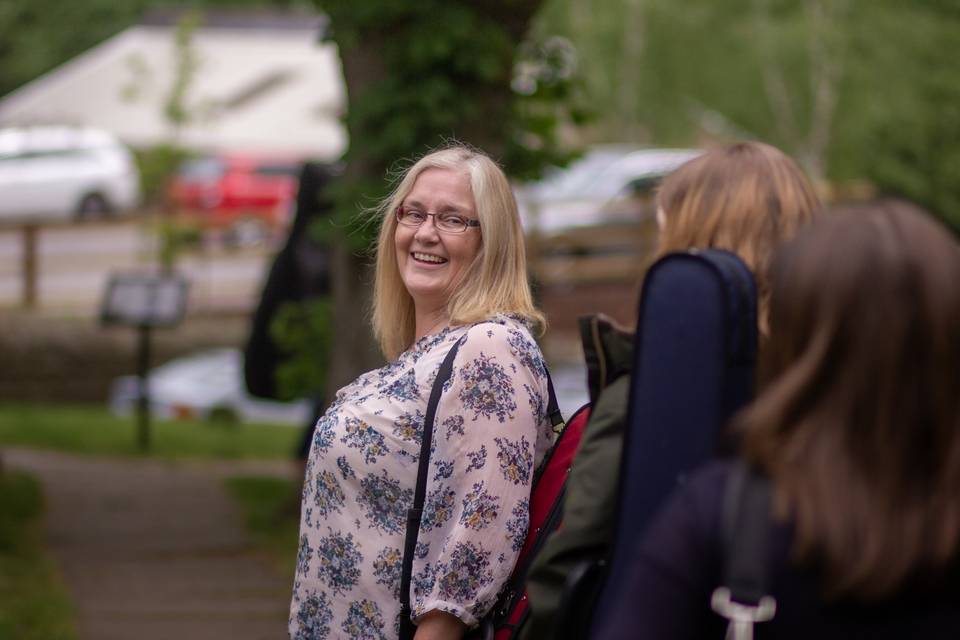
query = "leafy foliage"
{"x": 303, "y": 331}
{"x": 853, "y": 88}
{"x": 423, "y": 73}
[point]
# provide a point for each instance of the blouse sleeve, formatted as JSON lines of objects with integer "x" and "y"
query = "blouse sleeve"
{"x": 481, "y": 469}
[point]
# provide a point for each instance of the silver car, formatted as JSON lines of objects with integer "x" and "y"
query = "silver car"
{"x": 64, "y": 173}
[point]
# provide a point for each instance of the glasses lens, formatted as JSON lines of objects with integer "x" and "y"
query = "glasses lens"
{"x": 409, "y": 217}
{"x": 450, "y": 224}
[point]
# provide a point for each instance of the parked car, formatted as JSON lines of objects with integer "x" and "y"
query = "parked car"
{"x": 246, "y": 196}
{"x": 595, "y": 220}
{"x": 205, "y": 386}
{"x": 64, "y": 173}
{"x": 609, "y": 184}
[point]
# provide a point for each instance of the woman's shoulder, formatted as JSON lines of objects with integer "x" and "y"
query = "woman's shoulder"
{"x": 503, "y": 336}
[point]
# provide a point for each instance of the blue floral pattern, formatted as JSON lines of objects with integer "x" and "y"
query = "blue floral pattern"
{"x": 304, "y": 555}
{"x": 364, "y": 621}
{"x": 489, "y": 433}
{"x": 404, "y": 388}
{"x": 517, "y": 524}
{"x": 385, "y": 502}
{"x": 437, "y": 508}
{"x": 345, "y": 469}
{"x": 460, "y": 578}
{"x": 323, "y": 433}
{"x": 453, "y": 426}
{"x": 527, "y": 352}
{"x": 338, "y": 560}
{"x": 487, "y": 390}
{"x": 361, "y": 435}
{"x": 313, "y": 616}
{"x": 444, "y": 469}
{"x": 387, "y": 569}
{"x": 515, "y": 458}
{"x": 328, "y": 496}
{"x": 480, "y": 508}
{"x": 477, "y": 459}
{"x": 409, "y": 426}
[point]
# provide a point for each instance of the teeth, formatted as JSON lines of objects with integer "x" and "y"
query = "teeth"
{"x": 426, "y": 257}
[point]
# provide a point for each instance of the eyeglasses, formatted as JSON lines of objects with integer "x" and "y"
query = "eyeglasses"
{"x": 445, "y": 222}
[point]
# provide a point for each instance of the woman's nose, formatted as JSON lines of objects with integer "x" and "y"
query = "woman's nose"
{"x": 427, "y": 231}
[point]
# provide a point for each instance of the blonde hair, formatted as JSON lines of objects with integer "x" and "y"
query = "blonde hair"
{"x": 496, "y": 280}
{"x": 746, "y": 198}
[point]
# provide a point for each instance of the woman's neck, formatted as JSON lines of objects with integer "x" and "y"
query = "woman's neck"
{"x": 430, "y": 322}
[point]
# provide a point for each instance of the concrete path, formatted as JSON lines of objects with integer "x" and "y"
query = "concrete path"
{"x": 153, "y": 550}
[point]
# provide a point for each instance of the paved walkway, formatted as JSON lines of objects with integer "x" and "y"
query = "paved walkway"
{"x": 153, "y": 550}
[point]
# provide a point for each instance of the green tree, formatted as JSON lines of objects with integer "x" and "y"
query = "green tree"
{"x": 852, "y": 88}
{"x": 418, "y": 74}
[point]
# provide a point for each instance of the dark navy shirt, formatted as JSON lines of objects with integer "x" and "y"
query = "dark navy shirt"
{"x": 677, "y": 565}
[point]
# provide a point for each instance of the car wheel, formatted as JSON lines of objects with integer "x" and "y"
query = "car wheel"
{"x": 92, "y": 205}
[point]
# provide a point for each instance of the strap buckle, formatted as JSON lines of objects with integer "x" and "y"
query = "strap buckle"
{"x": 742, "y": 617}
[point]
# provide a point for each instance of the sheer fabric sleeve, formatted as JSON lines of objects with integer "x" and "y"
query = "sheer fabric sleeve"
{"x": 481, "y": 470}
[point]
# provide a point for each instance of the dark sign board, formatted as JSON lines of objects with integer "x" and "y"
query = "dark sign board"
{"x": 136, "y": 300}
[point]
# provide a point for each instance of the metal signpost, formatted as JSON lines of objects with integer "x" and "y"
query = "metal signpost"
{"x": 144, "y": 302}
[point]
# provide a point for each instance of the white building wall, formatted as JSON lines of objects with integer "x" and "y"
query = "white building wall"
{"x": 122, "y": 84}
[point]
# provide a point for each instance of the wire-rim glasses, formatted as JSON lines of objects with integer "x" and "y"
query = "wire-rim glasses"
{"x": 445, "y": 221}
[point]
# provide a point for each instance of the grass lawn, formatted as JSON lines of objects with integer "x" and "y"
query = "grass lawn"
{"x": 33, "y": 603}
{"x": 270, "y": 508}
{"x": 92, "y": 429}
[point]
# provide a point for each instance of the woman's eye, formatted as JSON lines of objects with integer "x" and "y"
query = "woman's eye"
{"x": 452, "y": 220}
{"x": 414, "y": 215}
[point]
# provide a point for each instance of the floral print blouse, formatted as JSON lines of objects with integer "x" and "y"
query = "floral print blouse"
{"x": 491, "y": 432}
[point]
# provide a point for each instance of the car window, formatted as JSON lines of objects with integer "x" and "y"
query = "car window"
{"x": 47, "y": 153}
{"x": 202, "y": 169}
{"x": 277, "y": 170}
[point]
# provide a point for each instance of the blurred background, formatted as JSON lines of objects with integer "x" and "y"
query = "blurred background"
{"x": 168, "y": 140}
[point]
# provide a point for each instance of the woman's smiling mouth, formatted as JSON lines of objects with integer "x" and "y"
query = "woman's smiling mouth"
{"x": 427, "y": 257}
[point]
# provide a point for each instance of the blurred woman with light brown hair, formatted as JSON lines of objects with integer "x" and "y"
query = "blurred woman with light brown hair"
{"x": 746, "y": 198}
{"x": 857, "y": 431}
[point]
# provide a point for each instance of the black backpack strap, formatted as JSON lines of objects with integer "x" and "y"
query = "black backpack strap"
{"x": 743, "y": 597}
{"x": 553, "y": 407}
{"x": 407, "y": 628}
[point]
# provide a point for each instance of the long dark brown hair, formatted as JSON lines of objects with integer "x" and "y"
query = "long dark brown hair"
{"x": 859, "y": 422}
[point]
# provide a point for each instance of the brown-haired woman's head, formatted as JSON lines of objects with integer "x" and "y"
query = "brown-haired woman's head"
{"x": 745, "y": 198}
{"x": 859, "y": 422}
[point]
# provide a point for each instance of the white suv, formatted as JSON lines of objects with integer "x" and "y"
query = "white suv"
{"x": 63, "y": 173}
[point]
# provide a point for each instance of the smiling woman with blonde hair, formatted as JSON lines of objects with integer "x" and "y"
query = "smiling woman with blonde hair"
{"x": 495, "y": 281}
{"x": 451, "y": 272}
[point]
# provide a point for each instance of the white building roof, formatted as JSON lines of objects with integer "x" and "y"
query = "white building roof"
{"x": 261, "y": 85}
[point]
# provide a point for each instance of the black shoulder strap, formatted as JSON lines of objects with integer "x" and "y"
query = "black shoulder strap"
{"x": 553, "y": 407}
{"x": 746, "y": 514}
{"x": 407, "y": 628}
{"x": 743, "y": 595}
